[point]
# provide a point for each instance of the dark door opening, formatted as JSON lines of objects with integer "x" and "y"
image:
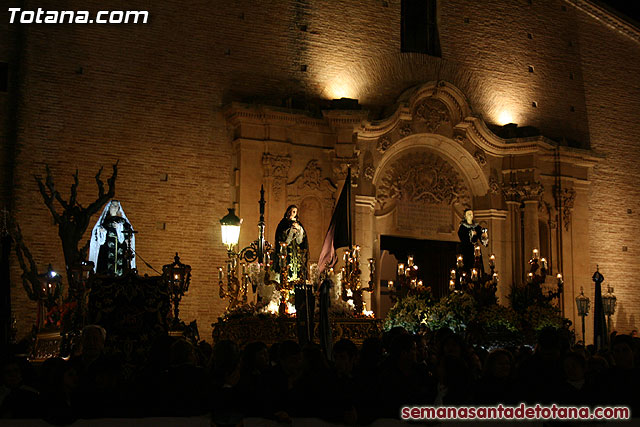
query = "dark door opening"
{"x": 434, "y": 259}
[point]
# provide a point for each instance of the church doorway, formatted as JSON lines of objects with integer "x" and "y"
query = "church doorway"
{"x": 434, "y": 259}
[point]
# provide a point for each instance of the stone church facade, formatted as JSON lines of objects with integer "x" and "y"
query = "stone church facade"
{"x": 203, "y": 107}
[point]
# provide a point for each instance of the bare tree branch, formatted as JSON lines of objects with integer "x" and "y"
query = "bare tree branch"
{"x": 30, "y": 280}
{"x": 74, "y": 190}
{"x": 48, "y": 198}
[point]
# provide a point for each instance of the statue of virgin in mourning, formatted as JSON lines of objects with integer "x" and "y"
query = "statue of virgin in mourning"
{"x": 113, "y": 244}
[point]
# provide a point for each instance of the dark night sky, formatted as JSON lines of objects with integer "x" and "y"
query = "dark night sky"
{"x": 629, "y": 9}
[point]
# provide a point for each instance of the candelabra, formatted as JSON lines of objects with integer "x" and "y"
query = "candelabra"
{"x": 351, "y": 283}
{"x": 259, "y": 250}
{"x": 461, "y": 280}
{"x": 406, "y": 280}
{"x": 538, "y": 275}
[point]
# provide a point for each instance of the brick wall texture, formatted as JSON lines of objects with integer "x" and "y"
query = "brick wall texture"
{"x": 151, "y": 95}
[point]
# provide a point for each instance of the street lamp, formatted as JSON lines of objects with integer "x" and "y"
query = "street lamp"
{"x": 582, "y": 302}
{"x": 49, "y": 294}
{"x": 609, "y": 307}
{"x": 259, "y": 250}
{"x": 230, "y": 226}
{"x": 177, "y": 275}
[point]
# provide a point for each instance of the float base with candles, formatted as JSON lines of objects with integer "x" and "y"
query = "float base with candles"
{"x": 471, "y": 308}
{"x": 271, "y": 329}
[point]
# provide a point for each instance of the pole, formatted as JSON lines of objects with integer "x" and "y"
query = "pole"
{"x": 262, "y": 202}
{"x": 347, "y": 182}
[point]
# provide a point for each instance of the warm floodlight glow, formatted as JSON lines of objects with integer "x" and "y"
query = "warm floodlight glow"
{"x": 340, "y": 88}
{"x": 505, "y": 117}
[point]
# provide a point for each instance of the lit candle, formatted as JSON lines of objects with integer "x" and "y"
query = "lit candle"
{"x": 495, "y": 277}
{"x": 535, "y": 254}
{"x": 400, "y": 269}
{"x": 415, "y": 267}
{"x": 331, "y": 271}
{"x": 530, "y": 278}
{"x": 413, "y": 283}
{"x": 477, "y": 251}
{"x": 220, "y": 273}
{"x": 453, "y": 274}
{"x": 474, "y": 274}
{"x": 175, "y": 277}
{"x": 390, "y": 284}
{"x": 410, "y": 260}
{"x": 492, "y": 260}
{"x": 459, "y": 261}
{"x": 452, "y": 285}
{"x": 559, "y": 276}
{"x": 419, "y": 283}
{"x": 544, "y": 263}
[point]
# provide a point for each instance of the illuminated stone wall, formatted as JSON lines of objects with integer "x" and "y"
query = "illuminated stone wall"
{"x": 152, "y": 96}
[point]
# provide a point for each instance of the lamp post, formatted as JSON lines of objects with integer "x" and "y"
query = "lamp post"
{"x": 609, "y": 307}
{"x": 582, "y": 302}
{"x": 177, "y": 275}
{"x": 259, "y": 250}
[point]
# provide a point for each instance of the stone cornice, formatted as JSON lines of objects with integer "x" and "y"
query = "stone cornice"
{"x": 237, "y": 113}
{"x": 607, "y": 18}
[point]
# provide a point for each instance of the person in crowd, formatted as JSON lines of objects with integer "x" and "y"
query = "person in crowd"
{"x": 496, "y": 384}
{"x": 18, "y": 399}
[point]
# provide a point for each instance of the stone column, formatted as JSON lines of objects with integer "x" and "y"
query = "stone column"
{"x": 513, "y": 245}
{"x": 531, "y": 228}
{"x": 531, "y": 194}
{"x": 495, "y": 220}
{"x": 365, "y": 237}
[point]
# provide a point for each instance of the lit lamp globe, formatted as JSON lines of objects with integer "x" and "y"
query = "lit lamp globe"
{"x": 609, "y": 302}
{"x": 582, "y": 302}
{"x": 230, "y": 226}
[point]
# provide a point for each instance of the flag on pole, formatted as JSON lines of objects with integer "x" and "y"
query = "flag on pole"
{"x": 339, "y": 233}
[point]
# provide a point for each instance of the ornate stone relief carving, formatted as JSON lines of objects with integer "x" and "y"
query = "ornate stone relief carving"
{"x": 276, "y": 167}
{"x": 369, "y": 171}
{"x": 531, "y": 191}
{"x": 519, "y": 192}
{"x": 422, "y": 177}
{"x": 433, "y": 112}
{"x": 310, "y": 182}
{"x": 566, "y": 199}
{"x": 461, "y": 139}
{"x": 480, "y": 157}
{"x": 383, "y": 144}
{"x": 340, "y": 166}
{"x": 405, "y": 129}
{"x": 494, "y": 185}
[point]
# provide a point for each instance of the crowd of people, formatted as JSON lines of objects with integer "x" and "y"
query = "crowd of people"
{"x": 284, "y": 381}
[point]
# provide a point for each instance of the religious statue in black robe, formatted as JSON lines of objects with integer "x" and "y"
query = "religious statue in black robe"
{"x": 471, "y": 234}
{"x": 291, "y": 232}
{"x": 112, "y": 246}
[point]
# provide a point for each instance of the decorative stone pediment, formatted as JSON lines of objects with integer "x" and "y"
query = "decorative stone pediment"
{"x": 311, "y": 183}
{"x": 432, "y": 113}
